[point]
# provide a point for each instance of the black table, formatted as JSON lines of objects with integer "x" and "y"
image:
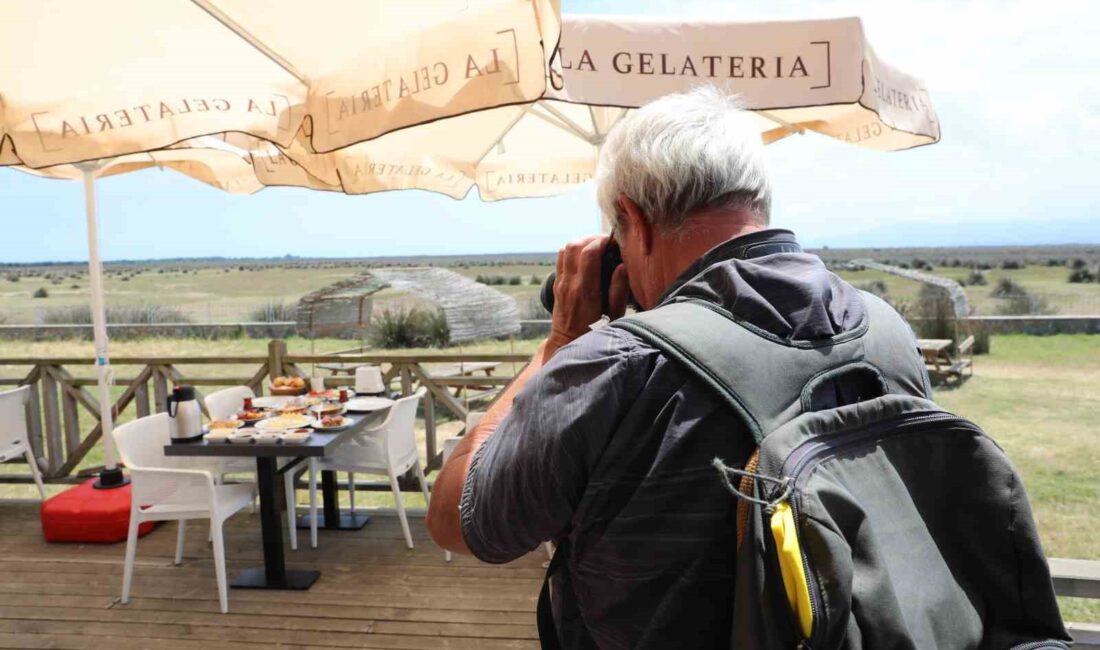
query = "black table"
{"x": 274, "y": 574}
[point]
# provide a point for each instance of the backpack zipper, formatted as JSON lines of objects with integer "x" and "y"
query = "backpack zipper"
{"x": 804, "y": 456}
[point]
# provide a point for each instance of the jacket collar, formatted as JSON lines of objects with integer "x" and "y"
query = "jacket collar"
{"x": 745, "y": 247}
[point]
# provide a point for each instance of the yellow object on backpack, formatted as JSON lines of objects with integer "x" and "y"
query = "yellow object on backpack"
{"x": 790, "y": 565}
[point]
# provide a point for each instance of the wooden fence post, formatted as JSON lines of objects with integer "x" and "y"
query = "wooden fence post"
{"x": 276, "y": 352}
{"x": 51, "y": 412}
{"x": 429, "y": 430}
{"x": 160, "y": 389}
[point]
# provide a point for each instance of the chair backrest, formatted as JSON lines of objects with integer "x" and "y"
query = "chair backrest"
{"x": 368, "y": 379}
{"x": 141, "y": 442}
{"x": 398, "y": 432}
{"x": 224, "y": 403}
{"x": 13, "y": 422}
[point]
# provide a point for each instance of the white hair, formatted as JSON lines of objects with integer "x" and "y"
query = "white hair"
{"x": 683, "y": 154}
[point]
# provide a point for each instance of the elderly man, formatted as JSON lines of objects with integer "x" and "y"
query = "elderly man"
{"x": 603, "y": 444}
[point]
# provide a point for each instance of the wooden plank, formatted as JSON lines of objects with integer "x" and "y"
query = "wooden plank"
{"x": 194, "y": 381}
{"x": 34, "y": 413}
{"x": 72, "y": 422}
{"x": 406, "y": 358}
{"x": 1086, "y": 636}
{"x": 276, "y": 352}
{"x": 434, "y": 458}
{"x": 141, "y": 399}
{"x": 160, "y": 390}
{"x": 51, "y": 421}
{"x": 255, "y": 382}
{"x": 453, "y": 405}
{"x": 1076, "y": 578}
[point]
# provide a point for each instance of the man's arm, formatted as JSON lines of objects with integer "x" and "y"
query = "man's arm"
{"x": 577, "y": 304}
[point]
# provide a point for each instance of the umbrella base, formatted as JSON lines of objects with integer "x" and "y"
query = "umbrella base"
{"x": 110, "y": 479}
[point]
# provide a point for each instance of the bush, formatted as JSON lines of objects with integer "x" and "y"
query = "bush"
{"x": 934, "y": 312}
{"x": 274, "y": 312}
{"x": 408, "y": 328}
{"x": 877, "y": 287}
{"x": 1056, "y": 262}
{"x": 515, "y": 280}
{"x": 1023, "y": 305}
{"x": 535, "y": 279}
{"x": 144, "y": 314}
{"x": 41, "y": 292}
{"x": 1007, "y": 288}
{"x": 1082, "y": 276}
{"x": 975, "y": 279}
{"x": 982, "y": 343}
{"x": 1078, "y": 263}
{"x": 1012, "y": 265}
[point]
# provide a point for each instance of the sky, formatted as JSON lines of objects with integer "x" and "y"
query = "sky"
{"x": 1016, "y": 86}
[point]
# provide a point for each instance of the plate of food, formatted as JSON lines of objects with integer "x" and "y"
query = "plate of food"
{"x": 241, "y": 436}
{"x": 268, "y": 437}
{"x": 288, "y": 386}
{"x": 368, "y": 404}
{"x": 292, "y": 407}
{"x": 330, "y": 393}
{"x": 296, "y": 436}
{"x": 272, "y": 401}
{"x": 250, "y": 416}
{"x": 224, "y": 424}
{"x": 331, "y": 423}
{"x": 218, "y": 435}
{"x": 283, "y": 422}
{"x": 327, "y": 409}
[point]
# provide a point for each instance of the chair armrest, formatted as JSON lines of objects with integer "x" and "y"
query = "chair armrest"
{"x": 966, "y": 345}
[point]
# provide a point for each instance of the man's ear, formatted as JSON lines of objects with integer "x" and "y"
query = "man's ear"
{"x": 636, "y": 222}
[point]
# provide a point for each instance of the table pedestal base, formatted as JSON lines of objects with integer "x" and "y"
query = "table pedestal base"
{"x": 256, "y": 578}
{"x": 345, "y": 521}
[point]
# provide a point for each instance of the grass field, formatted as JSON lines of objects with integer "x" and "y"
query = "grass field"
{"x": 228, "y": 291}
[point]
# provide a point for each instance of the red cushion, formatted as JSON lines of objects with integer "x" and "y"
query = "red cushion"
{"x": 85, "y": 514}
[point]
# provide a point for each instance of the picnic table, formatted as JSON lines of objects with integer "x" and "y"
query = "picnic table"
{"x": 274, "y": 574}
{"x": 940, "y": 363}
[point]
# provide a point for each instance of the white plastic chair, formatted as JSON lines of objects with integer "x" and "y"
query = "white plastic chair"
{"x": 388, "y": 449}
{"x": 368, "y": 380}
{"x": 165, "y": 489}
{"x": 13, "y": 432}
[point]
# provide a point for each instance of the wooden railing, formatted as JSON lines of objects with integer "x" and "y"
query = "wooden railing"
{"x": 63, "y": 415}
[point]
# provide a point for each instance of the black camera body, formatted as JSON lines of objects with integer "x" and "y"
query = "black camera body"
{"x": 612, "y": 257}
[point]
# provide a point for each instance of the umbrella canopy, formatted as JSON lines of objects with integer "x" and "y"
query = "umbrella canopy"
{"x": 120, "y": 85}
{"x": 116, "y": 77}
{"x": 819, "y": 75}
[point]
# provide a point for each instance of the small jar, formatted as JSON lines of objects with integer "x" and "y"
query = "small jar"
{"x": 248, "y": 403}
{"x": 343, "y": 395}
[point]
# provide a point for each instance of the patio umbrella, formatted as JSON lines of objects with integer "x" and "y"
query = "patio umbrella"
{"x": 819, "y": 75}
{"x": 115, "y": 78}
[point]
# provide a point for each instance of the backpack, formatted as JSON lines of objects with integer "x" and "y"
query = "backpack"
{"x": 868, "y": 517}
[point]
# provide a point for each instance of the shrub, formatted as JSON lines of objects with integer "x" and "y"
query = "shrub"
{"x": 1082, "y": 276}
{"x": 934, "y": 312}
{"x": 982, "y": 342}
{"x": 41, "y": 292}
{"x": 408, "y": 328}
{"x": 274, "y": 312}
{"x": 1007, "y": 288}
{"x": 922, "y": 265}
{"x": 1023, "y": 305}
{"x": 1012, "y": 265}
{"x": 125, "y": 278}
{"x": 974, "y": 279}
{"x": 515, "y": 280}
{"x": 74, "y": 286}
{"x": 535, "y": 279}
{"x": 13, "y": 278}
{"x": 1077, "y": 263}
{"x": 143, "y": 314}
{"x": 1056, "y": 262}
{"x": 877, "y": 287}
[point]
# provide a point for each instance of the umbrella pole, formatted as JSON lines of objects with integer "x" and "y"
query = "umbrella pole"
{"x": 111, "y": 476}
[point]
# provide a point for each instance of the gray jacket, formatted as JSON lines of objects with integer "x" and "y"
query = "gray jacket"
{"x": 608, "y": 449}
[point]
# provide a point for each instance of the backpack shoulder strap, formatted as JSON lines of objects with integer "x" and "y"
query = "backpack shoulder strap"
{"x": 768, "y": 380}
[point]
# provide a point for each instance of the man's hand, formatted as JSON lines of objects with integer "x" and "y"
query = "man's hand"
{"x": 577, "y": 301}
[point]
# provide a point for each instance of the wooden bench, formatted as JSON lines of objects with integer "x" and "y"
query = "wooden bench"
{"x": 941, "y": 365}
{"x": 1078, "y": 579}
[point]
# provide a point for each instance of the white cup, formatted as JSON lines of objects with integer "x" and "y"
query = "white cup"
{"x": 317, "y": 384}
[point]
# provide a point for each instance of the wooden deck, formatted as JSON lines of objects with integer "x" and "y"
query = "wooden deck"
{"x": 373, "y": 592}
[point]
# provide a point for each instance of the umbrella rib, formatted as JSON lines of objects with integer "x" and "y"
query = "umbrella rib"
{"x": 782, "y": 122}
{"x": 236, "y": 28}
{"x": 568, "y": 127}
{"x": 572, "y": 125}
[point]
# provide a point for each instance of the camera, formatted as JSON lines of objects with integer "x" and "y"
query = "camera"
{"x": 612, "y": 257}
